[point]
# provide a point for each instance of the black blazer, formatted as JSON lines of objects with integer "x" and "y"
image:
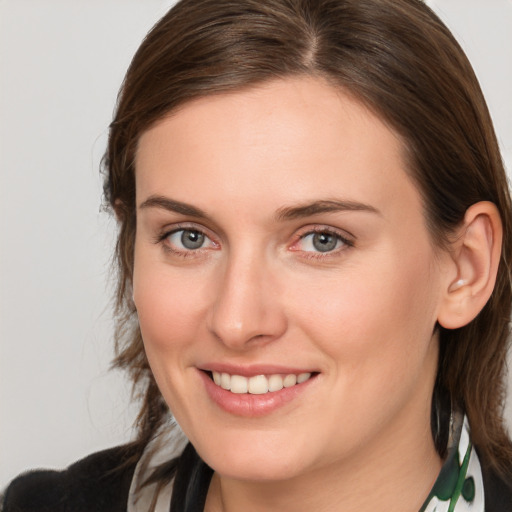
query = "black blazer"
{"x": 98, "y": 483}
{"x": 101, "y": 483}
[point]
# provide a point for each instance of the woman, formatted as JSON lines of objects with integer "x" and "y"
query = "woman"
{"x": 315, "y": 268}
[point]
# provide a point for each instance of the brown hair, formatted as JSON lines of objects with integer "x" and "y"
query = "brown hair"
{"x": 397, "y": 58}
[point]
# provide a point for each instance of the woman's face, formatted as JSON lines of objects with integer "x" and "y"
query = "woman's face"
{"x": 280, "y": 238}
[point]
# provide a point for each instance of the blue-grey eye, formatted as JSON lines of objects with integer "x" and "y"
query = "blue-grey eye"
{"x": 192, "y": 239}
{"x": 187, "y": 239}
{"x": 322, "y": 241}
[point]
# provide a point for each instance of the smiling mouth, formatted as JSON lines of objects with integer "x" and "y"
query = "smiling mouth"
{"x": 258, "y": 384}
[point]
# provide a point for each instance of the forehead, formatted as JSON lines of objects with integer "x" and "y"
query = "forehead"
{"x": 298, "y": 138}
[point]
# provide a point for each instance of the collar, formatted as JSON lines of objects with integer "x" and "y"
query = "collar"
{"x": 458, "y": 488}
{"x": 168, "y": 443}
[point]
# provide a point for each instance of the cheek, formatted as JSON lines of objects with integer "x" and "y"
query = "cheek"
{"x": 376, "y": 329}
{"x": 375, "y": 320}
{"x": 169, "y": 303}
{"x": 169, "y": 307}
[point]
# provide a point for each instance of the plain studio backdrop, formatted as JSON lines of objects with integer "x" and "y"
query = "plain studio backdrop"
{"x": 61, "y": 64}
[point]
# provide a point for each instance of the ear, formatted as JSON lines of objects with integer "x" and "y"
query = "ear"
{"x": 475, "y": 255}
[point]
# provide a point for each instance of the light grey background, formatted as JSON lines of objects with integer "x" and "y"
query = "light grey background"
{"x": 61, "y": 63}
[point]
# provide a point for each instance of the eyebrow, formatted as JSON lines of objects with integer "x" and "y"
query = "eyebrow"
{"x": 172, "y": 205}
{"x": 282, "y": 214}
{"x": 323, "y": 206}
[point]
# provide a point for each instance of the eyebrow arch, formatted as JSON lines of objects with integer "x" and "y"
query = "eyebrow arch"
{"x": 172, "y": 205}
{"x": 322, "y": 206}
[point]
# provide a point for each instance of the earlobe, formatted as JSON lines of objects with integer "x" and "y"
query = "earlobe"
{"x": 475, "y": 254}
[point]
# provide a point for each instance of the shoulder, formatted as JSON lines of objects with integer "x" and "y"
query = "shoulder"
{"x": 498, "y": 492}
{"x": 99, "y": 482}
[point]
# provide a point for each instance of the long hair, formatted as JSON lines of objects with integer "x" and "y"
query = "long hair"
{"x": 398, "y": 59}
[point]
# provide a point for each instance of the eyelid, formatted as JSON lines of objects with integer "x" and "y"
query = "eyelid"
{"x": 169, "y": 229}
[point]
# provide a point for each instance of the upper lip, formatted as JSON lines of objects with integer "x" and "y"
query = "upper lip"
{"x": 253, "y": 369}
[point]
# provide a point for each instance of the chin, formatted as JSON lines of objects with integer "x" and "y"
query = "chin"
{"x": 257, "y": 457}
{"x": 249, "y": 469}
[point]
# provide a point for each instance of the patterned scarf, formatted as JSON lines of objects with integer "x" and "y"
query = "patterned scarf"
{"x": 459, "y": 486}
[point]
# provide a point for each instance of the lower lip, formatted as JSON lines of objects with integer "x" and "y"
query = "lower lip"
{"x": 250, "y": 406}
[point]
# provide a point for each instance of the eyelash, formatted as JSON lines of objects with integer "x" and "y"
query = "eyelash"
{"x": 318, "y": 255}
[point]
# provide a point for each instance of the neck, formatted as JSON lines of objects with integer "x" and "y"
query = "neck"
{"x": 397, "y": 473}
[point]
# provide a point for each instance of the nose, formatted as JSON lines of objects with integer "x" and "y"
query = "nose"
{"x": 246, "y": 307}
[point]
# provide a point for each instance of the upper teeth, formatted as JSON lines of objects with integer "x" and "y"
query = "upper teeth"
{"x": 259, "y": 384}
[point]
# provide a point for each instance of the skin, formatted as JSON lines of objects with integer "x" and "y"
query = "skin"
{"x": 258, "y": 292}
